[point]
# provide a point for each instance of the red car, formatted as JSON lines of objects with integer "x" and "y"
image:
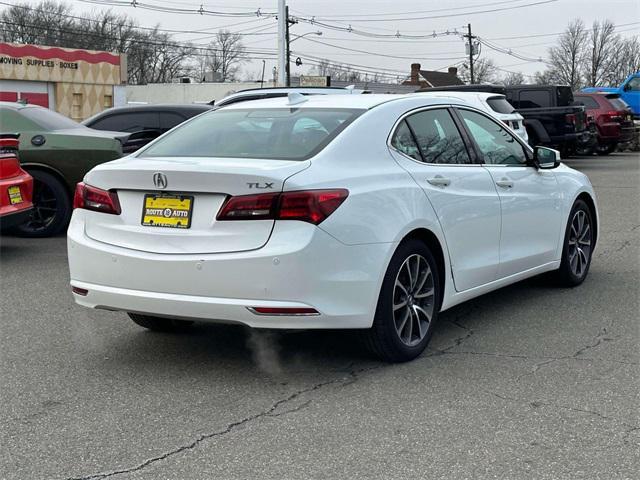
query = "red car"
{"x": 16, "y": 185}
{"x": 612, "y": 117}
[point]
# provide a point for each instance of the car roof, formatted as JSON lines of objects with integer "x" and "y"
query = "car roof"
{"x": 334, "y": 101}
{"x": 200, "y": 107}
{"x": 462, "y": 95}
{"x": 18, "y": 105}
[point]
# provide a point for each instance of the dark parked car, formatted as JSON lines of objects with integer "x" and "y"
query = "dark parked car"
{"x": 550, "y": 115}
{"x": 612, "y": 117}
{"x": 56, "y": 152}
{"x": 143, "y": 122}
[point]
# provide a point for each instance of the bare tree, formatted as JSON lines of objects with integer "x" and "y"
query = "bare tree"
{"x": 625, "y": 61}
{"x": 484, "y": 71}
{"x": 603, "y": 45}
{"x": 338, "y": 71}
{"x": 224, "y": 56}
{"x": 566, "y": 59}
{"x": 512, "y": 78}
{"x": 546, "y": 77}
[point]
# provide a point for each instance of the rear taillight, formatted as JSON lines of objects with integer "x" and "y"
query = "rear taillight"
{"x": 292, "y": 311}
{"x": 9, "y": 166}
{"x": 312, "y": 206}
{"x": 92, "y": 198}
{"x": 613, "y": 116}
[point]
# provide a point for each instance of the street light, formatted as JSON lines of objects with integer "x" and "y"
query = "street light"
{"x": 288, "y": 79}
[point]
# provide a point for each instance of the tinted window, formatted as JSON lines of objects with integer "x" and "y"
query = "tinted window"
{"x": 404, "y": 142}
{"x": 128, "y": 122}
{"x": 168, "y": 120}
{"x": 500, "y": 105}
{"x": 496, "y": 144}
{"x": 564, "y": 96}
{"x": 618, "y": 104}
{"x": 534, "y": 99}
{"x": 48, "y": 119}
{"x": 278, "y": 133}
{"x": 438, "y": 138}
{"x": 588, "y": 102}
{"x": 634, "y": 84}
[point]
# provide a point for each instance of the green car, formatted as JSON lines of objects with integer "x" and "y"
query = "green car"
{"x": 57, "y": 152}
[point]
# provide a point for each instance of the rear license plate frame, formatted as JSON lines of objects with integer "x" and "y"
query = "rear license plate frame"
{"x": 167, "y": 202}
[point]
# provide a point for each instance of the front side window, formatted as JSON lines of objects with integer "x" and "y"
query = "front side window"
{"x": 497, "y": 146}
{"x": 274, "y": 133}
{"x": 437, "y": 137}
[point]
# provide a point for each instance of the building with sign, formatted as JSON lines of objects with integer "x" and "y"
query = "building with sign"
{"x": 76, "y": 83}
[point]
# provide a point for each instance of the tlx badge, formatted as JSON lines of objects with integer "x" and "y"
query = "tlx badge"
{"x": 259, "y": 185}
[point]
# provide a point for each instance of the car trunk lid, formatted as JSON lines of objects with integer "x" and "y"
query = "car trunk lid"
{"x": 147, "y": 187}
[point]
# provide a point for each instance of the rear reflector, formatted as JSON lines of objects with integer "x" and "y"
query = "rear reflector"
{"x": 312, "y": 206}
{"x": 80, "y": 291}
{"x": 283, "y": 311}
{"x": 92, "y": 198}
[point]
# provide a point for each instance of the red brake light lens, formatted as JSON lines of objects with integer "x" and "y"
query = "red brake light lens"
{"x": 249, "y": 207}
{"x": 311, "y": 206}
{"x": 92, "y": 198}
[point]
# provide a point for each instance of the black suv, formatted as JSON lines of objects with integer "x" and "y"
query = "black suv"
{"x": 144, "y": 122}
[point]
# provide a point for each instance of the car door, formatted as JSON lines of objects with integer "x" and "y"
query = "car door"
{"x": 529, "y": 197}
{"x": 429, "y": 145}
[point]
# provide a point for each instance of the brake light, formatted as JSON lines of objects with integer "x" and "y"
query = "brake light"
{"x": 92, "y": 198}
{"x": 312, "y": 206}
{"x": 9, "y": 166}
{"x": 613, "y": 116}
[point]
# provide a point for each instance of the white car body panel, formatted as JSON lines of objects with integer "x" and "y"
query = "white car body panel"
{"x": 338, "y": 266}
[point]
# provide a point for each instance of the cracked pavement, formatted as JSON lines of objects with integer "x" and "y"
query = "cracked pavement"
{"x": 528, "y": 382}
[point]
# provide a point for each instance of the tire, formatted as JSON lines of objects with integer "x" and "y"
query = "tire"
{"x": 584, "y": 150}
{"x": 606, "y": 149}
{"x": 52, "y": 207}
{"x": 389, "y": 338}
{"x": 577, "y": 247}
{"x": 159, "y": 324}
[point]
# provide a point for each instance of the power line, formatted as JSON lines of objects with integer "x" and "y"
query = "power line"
{"x": 430, "y": 17}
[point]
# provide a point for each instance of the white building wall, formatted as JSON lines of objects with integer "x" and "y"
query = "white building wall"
{"x": 184, "y": 92}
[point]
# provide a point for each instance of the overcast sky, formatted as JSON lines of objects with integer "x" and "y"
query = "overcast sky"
{"x": 532, "y": 24}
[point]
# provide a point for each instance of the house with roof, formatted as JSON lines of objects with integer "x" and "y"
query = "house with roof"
{"x": 432, "y": 78}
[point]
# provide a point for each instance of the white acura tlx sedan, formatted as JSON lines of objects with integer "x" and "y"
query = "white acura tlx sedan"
{"x": 372, "y": 212}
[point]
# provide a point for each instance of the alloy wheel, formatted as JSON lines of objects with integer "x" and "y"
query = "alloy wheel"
{"x": 413, "y": 300}
{"x": 580, "y": 243}
{"x": 45, "y": 206}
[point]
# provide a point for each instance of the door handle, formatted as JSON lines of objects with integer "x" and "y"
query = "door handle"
{"x": 439, "y": 181}
{"x": 505, "y": 183}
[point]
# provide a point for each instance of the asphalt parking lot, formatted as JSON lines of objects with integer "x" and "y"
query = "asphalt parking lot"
{"x": 529, "y": 382}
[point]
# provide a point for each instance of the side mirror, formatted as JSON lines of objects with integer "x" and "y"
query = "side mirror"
{"x": 546, "y": 158}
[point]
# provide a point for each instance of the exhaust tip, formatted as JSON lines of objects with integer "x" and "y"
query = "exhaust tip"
{"x": 80, "y": 291}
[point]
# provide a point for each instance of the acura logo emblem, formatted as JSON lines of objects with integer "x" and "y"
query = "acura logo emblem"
{"x": 160, "y": 180}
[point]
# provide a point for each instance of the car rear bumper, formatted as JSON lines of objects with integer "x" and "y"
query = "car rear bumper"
{"x": 300, "y": 267}
{"x": 10, "y": 216}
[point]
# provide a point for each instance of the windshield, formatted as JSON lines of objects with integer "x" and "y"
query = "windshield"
{"x": 283, "y": 133}
{"x": 48, "y": 119}
{"x": 500, "y": 105}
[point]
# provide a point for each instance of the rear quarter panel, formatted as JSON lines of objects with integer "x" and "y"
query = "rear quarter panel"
{"x": 72, "y": 156}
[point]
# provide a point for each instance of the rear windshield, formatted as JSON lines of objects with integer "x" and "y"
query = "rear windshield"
{"x": 500, "y": 105}
{"x": 278, "y": 133}
{"x": 618, "y": 103}
{"x": 48, "y": 119}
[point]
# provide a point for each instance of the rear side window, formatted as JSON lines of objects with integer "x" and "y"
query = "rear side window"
{"x": 128, "y": 122}
{"x": 534, "y": 99}
{"x": 437, "y": 137}
{"x": 588, "y": 102}
{"x": 277, "y": 133}
{"x": 404, "y": 142}
{"x": 500, "y": 105}
{"x": 564, "y": 96}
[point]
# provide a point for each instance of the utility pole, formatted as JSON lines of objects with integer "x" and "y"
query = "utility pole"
{"x": 282, "y": 42}
{"x": 470, "y": 38}
{"x": 286, "y": 19}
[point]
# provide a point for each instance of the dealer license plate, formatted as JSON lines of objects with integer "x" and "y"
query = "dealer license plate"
{"x": 172, "y": 211}
{"x": 15, "y": 196}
